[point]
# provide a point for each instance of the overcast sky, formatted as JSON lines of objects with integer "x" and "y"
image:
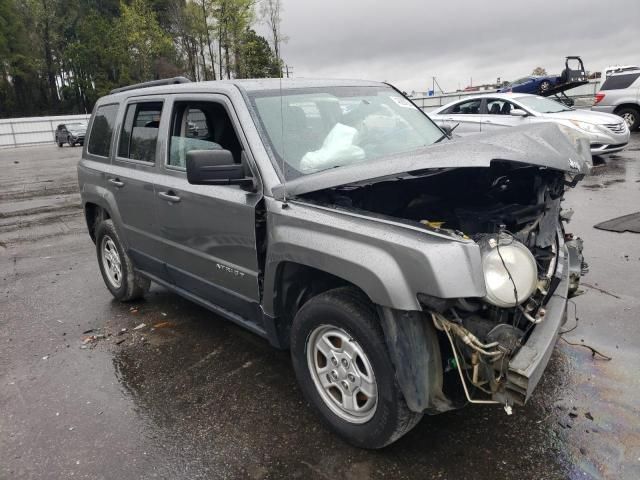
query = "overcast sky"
{"x": 406, "y": 42}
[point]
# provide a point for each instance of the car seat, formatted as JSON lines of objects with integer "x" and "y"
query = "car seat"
{"x": 506, "y": 109}
{"x": 495, "y": 109}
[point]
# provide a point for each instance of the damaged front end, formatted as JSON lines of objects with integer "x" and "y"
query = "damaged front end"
{"x": 500, "y": 344}
{"x": 497, "y": 346}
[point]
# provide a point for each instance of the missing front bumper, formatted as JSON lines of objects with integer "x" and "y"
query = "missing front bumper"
{"x": 527, "y": 366}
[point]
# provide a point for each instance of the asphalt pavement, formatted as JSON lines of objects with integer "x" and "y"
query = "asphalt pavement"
{"x": 87, "y": 392}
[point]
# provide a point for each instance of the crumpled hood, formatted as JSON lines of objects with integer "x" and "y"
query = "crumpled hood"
{"x": 543, "y": 145}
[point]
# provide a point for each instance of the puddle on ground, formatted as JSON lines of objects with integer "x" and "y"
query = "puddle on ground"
{"x": 222, "y": 398}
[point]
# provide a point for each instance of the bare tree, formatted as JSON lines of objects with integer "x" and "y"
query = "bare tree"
{"x": 539, "y": 71}
{"x": 206, "y": 29}
{"x": 270, "y": 11}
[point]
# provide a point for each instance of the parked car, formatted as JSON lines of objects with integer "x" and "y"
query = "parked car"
{"x": 620, "y": 95}
{"x": 406, "y": 273}
{"x": 535, "y": 84}
{"x": 71, "y": 133}
{"x": 492, "y": 112}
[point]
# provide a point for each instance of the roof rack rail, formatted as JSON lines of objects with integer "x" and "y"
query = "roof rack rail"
{"x": 153, "y": 83}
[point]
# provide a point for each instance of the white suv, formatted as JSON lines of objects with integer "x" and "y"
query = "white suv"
{"x": 620, "y": 94}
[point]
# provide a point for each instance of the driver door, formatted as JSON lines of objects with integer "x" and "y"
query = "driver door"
{"x": 497, "y": 115}
{"x": 208, "y": 231}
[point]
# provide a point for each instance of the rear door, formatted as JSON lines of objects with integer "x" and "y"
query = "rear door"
{"x": 208, "y": 231}
{"x": 465, "y": 114}
{"x": 131, "y": 180}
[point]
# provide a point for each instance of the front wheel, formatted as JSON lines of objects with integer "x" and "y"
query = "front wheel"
{"x": 118, "y": 273}
{"x": 70, "y": 142}
{"x": 341, "y": 362}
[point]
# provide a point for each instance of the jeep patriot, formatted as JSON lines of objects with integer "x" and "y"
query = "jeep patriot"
{"x": 407, "y": 272}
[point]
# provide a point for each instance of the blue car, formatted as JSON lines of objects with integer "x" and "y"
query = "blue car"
{"x": 534, "y": 84}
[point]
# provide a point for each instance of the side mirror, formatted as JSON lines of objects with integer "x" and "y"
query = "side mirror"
{"x": 447, "y": 130}
{"x": 214, "y": 167}
{"x": 518, "y": 112}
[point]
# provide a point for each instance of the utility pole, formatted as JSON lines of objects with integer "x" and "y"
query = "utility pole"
{"x": 287, "y": 70}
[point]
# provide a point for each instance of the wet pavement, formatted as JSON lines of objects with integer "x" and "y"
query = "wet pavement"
{"x": 190, "y": 396}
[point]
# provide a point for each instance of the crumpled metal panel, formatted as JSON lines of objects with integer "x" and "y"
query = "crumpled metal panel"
{"x": 543, "y": 145}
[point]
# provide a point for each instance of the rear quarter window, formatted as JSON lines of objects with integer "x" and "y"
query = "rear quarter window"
{"x": 619, "y": 81}
{"x": 140, "y": 131}
{"x": 102, "y": 130}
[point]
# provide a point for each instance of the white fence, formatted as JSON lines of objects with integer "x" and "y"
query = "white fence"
{"x": 16, "y": 132}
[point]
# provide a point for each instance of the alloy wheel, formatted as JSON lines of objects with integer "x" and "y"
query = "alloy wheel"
{"x": 342, "y": 374}
{"x": 629, "y": 118}
{"x": 111, "y": 261}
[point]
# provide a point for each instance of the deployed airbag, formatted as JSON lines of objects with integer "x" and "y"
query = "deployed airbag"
{"x": 337, "y": 149}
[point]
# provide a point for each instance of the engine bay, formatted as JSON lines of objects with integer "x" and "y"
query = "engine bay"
{"x": 500, "y": 207}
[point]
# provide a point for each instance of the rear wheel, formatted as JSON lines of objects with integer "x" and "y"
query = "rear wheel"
{"x": 631, "y": 117}
{"x": 544, "y": 87}
{"x": 117, "y": 270}
{"x": 59, "y": 142}
{"x": 341, "y": 362}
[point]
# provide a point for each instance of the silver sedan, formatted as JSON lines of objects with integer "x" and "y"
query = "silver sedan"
{"x": 488, "y": 113}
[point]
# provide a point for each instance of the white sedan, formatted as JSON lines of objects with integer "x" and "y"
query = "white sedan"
{"x": 491, "y": 112}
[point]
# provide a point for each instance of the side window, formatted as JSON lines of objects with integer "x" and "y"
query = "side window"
{"x": 521, "y": 81}
{"x": 497, "y": 106}
{"x": 469, "y": 107}
{"x": 617, "y": 82}
{"x": 200, "y": 126}
{"x": 139, "y": 134}
{"x": 102, "y": 130}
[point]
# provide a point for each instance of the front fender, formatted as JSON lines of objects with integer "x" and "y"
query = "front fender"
{"x": 389, "y": 262}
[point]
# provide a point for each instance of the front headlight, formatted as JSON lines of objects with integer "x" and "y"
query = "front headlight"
{"x": 506, "y": 264}
{"x": 587, "y": 127}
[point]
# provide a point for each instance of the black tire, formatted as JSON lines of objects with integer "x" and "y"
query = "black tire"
{"x": 544, "y": 86}
{"x": 60, "y": 144}
{"x": 631, "y": 117}
{"x": 354, "y": 314}
{"x": 132, "y": 285}
{"x": 70, "y": 142}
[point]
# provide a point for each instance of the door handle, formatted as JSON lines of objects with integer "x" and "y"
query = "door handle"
{"x": 116, "y": 182}
{"x": 169, "y": 196}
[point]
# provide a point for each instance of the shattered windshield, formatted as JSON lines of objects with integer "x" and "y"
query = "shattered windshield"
{"x": 315, "y": 129}
{"x": 543, "y": 105}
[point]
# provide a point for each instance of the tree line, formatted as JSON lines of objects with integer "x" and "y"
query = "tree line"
{"x": 60, "y": 56}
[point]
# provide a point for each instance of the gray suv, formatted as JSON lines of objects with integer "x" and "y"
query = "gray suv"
{"x": 620, "y": 94}
{"x": 406, "y": 272}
